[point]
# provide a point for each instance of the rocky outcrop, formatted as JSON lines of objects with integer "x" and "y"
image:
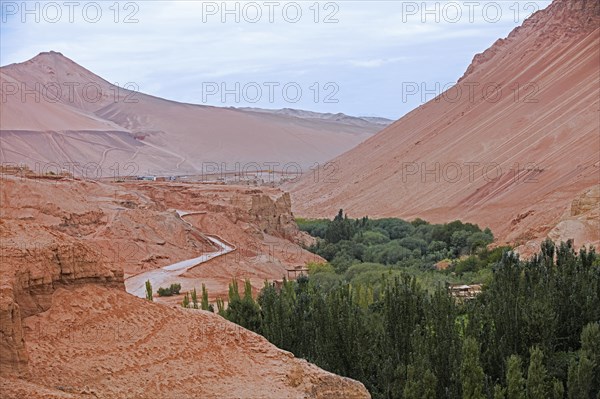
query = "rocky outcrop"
{"x": 68, "y": 329}
{"x": 13, "y": 353}
{"x": 273, "y": 216}
{"x": 580, "y": 223}
{"x": 266, "y": 210}
{"x": 35, "y": 263}
{"x": 586, "y": 202}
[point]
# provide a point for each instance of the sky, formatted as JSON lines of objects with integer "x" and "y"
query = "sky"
{"x": 362, "y": 58}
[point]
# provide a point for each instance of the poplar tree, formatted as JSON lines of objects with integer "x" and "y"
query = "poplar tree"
{"x": 186, "y": 301}
{"x": 514, "y": 378}
{"x": 537, "y": 385}
{"x": 195, "y": 299}
{"x": 204, "y": 305}
{"x": 471, "y": 372}
{"x": 149, "y": 291}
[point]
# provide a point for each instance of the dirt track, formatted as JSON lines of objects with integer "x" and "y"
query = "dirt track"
{"x": 166, "y": 275}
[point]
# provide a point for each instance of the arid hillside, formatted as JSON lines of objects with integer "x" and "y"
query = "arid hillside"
{"x": 514, "y": 145}
{"x": 55, "y": 111}
{"x": 69, "y": 329}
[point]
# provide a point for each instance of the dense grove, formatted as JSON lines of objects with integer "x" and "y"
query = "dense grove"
{"x": 359, "y": 251}
{"x": 532, "y": 333}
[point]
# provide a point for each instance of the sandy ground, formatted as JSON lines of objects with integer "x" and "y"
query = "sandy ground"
{"x": 97, "y": 342}
{"x": 127, "y": 134}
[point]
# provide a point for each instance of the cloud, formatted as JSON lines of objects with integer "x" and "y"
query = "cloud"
{"x": 176, "y": 45}
{"x": 376, "y": 62}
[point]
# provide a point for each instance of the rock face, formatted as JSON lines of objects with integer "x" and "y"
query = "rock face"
{"x": 35, "y": 262}
{"x": 512, "y": 159}
{"x": 258, "y": 222}
{"x": 266, "y": 210}
{"x": 123, "y": 227}
{"x": 588, "y": 201}
{"x": 13, "y": 353}
{"x": 69, "y": 330}
{"x": 274, "y": 216}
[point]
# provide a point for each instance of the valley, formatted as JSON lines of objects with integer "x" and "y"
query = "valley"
{"x": 158, "y": 247}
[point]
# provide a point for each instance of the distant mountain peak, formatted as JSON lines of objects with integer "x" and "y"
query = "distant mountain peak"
{"x": 51, "y": 53}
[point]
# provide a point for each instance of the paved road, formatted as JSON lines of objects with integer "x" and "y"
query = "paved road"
{"x": 162, "y": 277}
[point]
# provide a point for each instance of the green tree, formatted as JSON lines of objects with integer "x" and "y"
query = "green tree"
{"x": 341, "y": 228}
{"x": 204, "y": 305}
{"x": 590, "y": 345}
{"x": 471, "y": 372}
{"x": 186, "y": 301}
{"x": 243, "y": 311}
{"x": 234, "y": 293}
{"x": 220, "y": 307}
{"x": 499, "y": 392}
{"x": 537, "y": 376}
{"x": 173, "y": 289}
{"x": 583, "y": 373}
{"x": 421, "y": 386}
{"x": 194, "y": 299}
{"x": 514, "y": 378}
{"x": 149, "y": 291}
{"x": 580, "y": 377}
{"x": 558, "y": 389}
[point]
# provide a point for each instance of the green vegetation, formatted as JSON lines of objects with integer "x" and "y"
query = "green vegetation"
{"x": 383, "y": 316}
{"x": 173, "y": 289}
{"x": 149, "y": 291}
{"x": 204, "y": 305}
{"x": 361, "y": 251}
{"x": 190, "y": 299}
{"x": 241, "y": 310}
{"x": 194, "y": 299}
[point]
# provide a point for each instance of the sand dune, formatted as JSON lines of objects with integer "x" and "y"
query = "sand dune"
{"x": 51, "y": 98}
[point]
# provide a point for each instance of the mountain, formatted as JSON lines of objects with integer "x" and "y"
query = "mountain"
{"x": 55, "y": 111}
{"x": 339, "y": 117}
{"x": 514, "y": 145}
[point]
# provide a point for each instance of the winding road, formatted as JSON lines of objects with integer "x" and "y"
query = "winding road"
{"x": 136, "y": 285}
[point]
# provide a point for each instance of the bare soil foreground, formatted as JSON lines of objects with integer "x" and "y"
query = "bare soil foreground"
{"x": 68, "y": 329}
{"x": 515, "y": 145}
{"x": 100, "y": 342}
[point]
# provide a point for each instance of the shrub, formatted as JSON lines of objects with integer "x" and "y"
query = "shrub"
{"x": 314, "y": 267}
{"x": 169, "y": 291}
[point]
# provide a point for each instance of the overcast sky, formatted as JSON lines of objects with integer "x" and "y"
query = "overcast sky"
{"x": 358, "y": 57}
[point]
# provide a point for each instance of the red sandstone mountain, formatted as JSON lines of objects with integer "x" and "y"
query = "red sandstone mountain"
{"x": 522, "y": 165}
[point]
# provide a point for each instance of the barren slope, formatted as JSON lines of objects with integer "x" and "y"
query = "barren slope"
{"x": 204, "y": 135}
{"x": 48, "y": 132}
{"x": 513, "y": 163}
{"x": 110, "y": 345}
{"x": 68, "y": 329}
{"x": 57, "y": 111}
{"x": 25, "y": 110}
